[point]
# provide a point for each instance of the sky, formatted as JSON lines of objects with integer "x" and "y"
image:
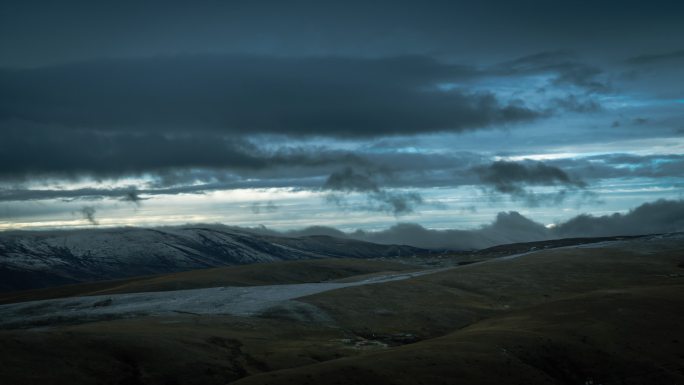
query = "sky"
{"x": 353, "y": 115}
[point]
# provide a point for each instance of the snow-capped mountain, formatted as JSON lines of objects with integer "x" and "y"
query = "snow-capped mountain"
{"x": 46, "y": 258}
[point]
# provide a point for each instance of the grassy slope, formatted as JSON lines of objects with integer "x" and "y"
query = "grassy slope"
{"x": 177, "y": 350}
{"x": 436, "y": 304}
{"x": 630, "y": 336}
{"x": 564, "y": 316}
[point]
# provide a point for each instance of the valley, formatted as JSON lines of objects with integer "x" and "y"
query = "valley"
{"x": 607, "y": 312}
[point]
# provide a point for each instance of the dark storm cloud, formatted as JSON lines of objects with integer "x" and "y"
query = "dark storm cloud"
{"x": 311, "y": 168}
{"x": 132, "y": 196}
{"x": 25, "y": 194}
{"x": 307, "y": 168}
{"x": 396, "y": 203}
{"x": 126, "y": 195}
{"x": 34, "y": 32}
{"x": 67, "y": 152}
{"x": 514, "y": 178}
{"x": 239, "y": 95}
{"x": 511, "y": 177}
{"x": 213, "y": 95}
{"x": 347, "y": 181}
{"x": 29, "y": 151}
{"x": 376, "y": 175}
{"x": 170, "y": 115}
{"x": 509, "y": 227}
{"x": 88, "y": 213}
{"x": 21, "y": 194}
{"x": 563, "y": 66}
{"x": 662, "y": 216}
{"x": 303, "y": 167}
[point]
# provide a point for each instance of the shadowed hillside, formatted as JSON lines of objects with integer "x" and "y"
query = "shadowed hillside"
{"x": 601, "y": 313}
{"x": 31, "y": 260}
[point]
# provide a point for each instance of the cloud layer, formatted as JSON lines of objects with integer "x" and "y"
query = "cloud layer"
{"x": 516, "y": 178}
{"x": 662, "y": 216}
{"x": 347, "y": 181}
{"x": 393, "y": 108}
{"x": 241, "y": 94}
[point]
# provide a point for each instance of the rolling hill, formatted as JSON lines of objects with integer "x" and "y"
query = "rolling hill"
{"x": 34, "y": 259}
{"x": 598, "y": 313}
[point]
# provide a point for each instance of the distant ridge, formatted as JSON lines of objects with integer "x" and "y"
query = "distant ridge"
{"x": 35, "y": 259}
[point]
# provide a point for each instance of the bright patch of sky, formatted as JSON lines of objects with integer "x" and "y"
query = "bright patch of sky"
{"x": 461, "y": 208}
